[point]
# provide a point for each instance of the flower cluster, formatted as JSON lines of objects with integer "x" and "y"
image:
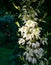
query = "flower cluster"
{"x": 30, "y": 30}
{"x": 30, "y": 33}
{"x": 28, "y": 13}
{"x": 32, "y": 55}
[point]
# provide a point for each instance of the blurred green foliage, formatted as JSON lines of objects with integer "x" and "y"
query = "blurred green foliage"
{"x": 5, "y": 55}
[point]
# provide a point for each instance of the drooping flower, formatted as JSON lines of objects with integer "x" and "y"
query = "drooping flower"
{"x": 34, "y": 61}
{"x": 23, "y": 30}
{"x": 31, "y": 23}
{"x": 41, "y": 62}
{"x": 30, "y": 33}
{"x": 39, "y": 52}
{"x": 21, "y": 41}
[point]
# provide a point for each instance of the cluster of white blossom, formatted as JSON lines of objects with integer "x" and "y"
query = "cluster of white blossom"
{"x": 28, "y": 13}
{"x": 30, "y": 36}
{"x": 30, "y": 33}
{"x": 32, "y": 55}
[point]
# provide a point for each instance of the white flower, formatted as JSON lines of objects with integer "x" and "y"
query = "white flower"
{"x": 25, "y": 17}
{"x": 36, "y": 14}
{"x": 28, "y": 31}
{"x": 26, "y": 54}
{"x": 25, "y": 64}
{"x": 31, "y": 29}
{"x": 21, "y": 41}
{"x": 28, "y": 37}
{"x": 31, "y": 23}
{"x": 23, "y": 30}
{"x": 41, "y": 62}
{"x": 39, "y": 52}
{"x": 37, "y": 44}
{"x": 33, "y": 45}
{"x": 34, "y": 61}
{"x": 36, "y": 32}
{"x": 29, "y": 43}
{"x": 24, "y": 36}
{"x": 46, "y": 59}
{"x": 28, "y": 48}
{"x": 35, "y": 51}
{"x": 44, "y": 41}
{"x": 29, "y": 59}
{"x": 31, "y": 52}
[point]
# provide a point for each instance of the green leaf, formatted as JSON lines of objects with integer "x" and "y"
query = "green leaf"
{"x": 4, "y": 55}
